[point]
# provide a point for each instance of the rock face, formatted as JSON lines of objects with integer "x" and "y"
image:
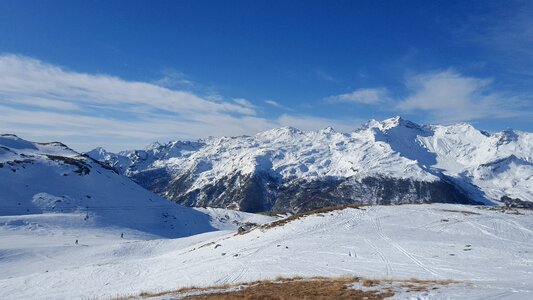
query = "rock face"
{"x": 287, "y": 170}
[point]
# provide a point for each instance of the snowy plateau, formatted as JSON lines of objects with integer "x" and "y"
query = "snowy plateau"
{"x": 147, "y": 223}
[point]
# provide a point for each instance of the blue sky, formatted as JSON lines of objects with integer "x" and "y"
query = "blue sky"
{"x": 121, "y": 74}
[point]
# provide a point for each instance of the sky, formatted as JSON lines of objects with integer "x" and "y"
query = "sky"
{"x": 122, "y": 74}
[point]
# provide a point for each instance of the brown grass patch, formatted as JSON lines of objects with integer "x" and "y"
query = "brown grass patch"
{"x": 179, "y": 291}
{"x": 302, "y": 288}
{"x": 299, "y": 289}
{"x": 370, "y": 282}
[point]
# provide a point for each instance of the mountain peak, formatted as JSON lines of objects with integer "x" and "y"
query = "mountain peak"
{"x": 280, "y": 132}
{"x": 327, "y": 130}
{"x": 14, "y": 142}
{"x": 396, "y": 121}
{"x": 506, "y": 136}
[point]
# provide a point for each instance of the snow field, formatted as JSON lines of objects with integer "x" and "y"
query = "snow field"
{"x": 489, "y": 251}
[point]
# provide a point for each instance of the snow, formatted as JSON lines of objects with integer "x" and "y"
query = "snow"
{"x": 488, "y": 252}
{"x": 395, "y": 148}
{"x": 131, "y": 240}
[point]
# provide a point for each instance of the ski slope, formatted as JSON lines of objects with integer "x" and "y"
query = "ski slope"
{"x": 490, "y": 252}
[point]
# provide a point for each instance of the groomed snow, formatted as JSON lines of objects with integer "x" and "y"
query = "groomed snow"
{"x": 490, "y": 252}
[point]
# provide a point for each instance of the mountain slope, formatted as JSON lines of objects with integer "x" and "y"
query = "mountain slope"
{"x": 50, "y": 183}
{"x": 388, "y": 162}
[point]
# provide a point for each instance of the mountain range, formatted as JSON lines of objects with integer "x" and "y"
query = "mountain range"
{"x": 393, "y": 161}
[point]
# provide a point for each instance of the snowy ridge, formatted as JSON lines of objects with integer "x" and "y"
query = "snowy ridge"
{"x": 393, "y": 149}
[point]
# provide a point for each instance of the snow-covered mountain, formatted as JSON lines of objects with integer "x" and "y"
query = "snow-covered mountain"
{"x": 49, "y": 183}
{"x": 383, "y": 162}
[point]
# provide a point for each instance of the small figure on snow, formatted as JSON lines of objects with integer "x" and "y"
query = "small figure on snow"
{"x": 122, "y": 235}
{"x": 76, "y": 242}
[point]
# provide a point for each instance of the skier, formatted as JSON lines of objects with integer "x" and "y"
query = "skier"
{"x": 122, "y": 235}
{"x": 76, "y": 242}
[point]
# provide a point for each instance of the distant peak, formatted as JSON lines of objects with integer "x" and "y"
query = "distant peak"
{"x": 328, "y": 129}
{"x": 464, "y": 127}
{"x": 396, "y": 119}
{"x": 14, "y": 142}
{"x": 99, "y": 149}
{"x": 284, "y": 130}
{"x": 506, "y": 136}
{"x": 290, "y": 129}
{"x": 390, "y": 123}
{"x": 399, "y": 121}
{"x": 154, "y": 145}
{"x": 282, "y": 133}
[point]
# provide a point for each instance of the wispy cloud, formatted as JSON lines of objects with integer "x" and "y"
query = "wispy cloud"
{"x": 449, "y": 96}
{"x": 44, "y": 102}
{"x": 175, "y": 79}
{"x": 245, "y": 103}
{"x": 325, "y": 76}
{"x": 273, "y": 103}
{"x": 276, "y": 104}
{"x": 362, "y": 96}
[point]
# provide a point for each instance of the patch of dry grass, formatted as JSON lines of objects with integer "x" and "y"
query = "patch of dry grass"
{"x": 315, "y": 288}
{"x": 179, "y": 291}
{"x": 302, "y": 288}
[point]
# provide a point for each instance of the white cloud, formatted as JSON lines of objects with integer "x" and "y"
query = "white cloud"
{"x": 362, "y": 96}
{"x": 175, "y": 79}
{"x": 273, "y": 103}
{"x": 245, "y": 103}
{"x": 450, "y": 97}
{"x": 22, "y": 77}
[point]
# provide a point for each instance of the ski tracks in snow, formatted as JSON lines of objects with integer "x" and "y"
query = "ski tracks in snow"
{"x": 382, "y": 256}
{"x": 379, "y": 230}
